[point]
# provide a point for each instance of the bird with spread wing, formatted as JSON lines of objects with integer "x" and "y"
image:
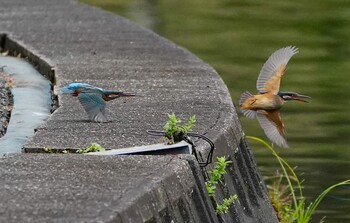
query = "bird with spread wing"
{"x": 266, "y": 105}
{"x": 93, "y": 99}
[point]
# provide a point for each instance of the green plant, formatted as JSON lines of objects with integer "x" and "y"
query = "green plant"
{"x": 95, "y": 147}
{"x": 280, "y": 196}
{"x": 174, "y": 131}
{"x": 296, "y": 210}
{"x": 47, "y": 150}
{"x": 215, "y": 178}
{"x": 226, "y": 203}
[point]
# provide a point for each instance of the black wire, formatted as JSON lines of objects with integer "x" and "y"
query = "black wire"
{"x": 188, "y": 140}
{"x": 156, "y": 133}
{"x": 212, "y": 146}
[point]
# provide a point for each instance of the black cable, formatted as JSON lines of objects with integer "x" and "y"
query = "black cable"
{"x": 186, "y": 138}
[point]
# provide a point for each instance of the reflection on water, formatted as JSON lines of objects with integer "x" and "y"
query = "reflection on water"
{"x": 236, "y": 37}
{"x": 32, "y": 102}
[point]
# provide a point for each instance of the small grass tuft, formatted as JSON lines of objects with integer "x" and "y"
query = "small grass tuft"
{"x": 292, "y": 208}
{"x": 174, "y": 131}
{"x": 95, "y": 147}
{"x": 227, "y": 202}
{"x": 215, "y": 178}
{"x": 48, "y": 150}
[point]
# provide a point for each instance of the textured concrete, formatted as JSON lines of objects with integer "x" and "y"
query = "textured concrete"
{"x": 71, "y": 42}
{"x": 88, "y": 45}
{"x": 77, "y": 188}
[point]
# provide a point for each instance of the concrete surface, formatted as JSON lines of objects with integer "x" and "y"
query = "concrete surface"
{"x": 80, "y": 188}
{"x": 72, "y": 42}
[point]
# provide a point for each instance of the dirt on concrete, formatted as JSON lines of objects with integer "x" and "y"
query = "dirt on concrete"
{"x": 6, "y": 103}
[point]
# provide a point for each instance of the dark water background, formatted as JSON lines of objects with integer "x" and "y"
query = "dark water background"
{"x": 236, "y": 38}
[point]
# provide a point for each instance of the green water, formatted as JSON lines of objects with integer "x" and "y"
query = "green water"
{"x": 236, "y": 38}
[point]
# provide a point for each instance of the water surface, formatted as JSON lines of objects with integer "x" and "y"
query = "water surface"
{"x": 32, "y": 103}
{"x": 236, "y": 38}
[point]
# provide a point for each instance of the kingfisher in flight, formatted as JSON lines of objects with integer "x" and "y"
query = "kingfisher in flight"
{"x": 93, "y": 99}
{"x": 266, "y": 105}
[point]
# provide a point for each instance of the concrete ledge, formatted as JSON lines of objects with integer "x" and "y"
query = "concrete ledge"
{"x": 41, "y": 65}
{"x": 71, "y": 42}
{"x": 78, "y": 188}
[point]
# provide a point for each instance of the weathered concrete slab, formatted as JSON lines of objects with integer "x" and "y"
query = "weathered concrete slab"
{"x": 71, "y": 42}
{"x": 77, "y": 188}
{"x": 113, "y": 53}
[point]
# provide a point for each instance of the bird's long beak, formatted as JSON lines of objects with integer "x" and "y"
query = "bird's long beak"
{"x": 300, "y": 97}
{"x": 127, "y": 94}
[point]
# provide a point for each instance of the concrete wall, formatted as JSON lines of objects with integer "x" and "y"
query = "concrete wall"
{"x": 71, "y": 42}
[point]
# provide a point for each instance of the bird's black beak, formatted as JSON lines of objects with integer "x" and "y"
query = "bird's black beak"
{"x": 301, "y": 98}
{"x": 117, "y": 94}
{"x": 127, "y": 94}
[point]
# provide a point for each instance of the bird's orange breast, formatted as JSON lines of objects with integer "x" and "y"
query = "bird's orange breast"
{"x": 263, "y": 102}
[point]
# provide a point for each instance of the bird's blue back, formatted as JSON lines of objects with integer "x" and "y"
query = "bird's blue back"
{"x": 73, "y": 87}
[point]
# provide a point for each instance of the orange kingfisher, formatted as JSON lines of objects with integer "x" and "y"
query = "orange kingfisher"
{"x": 93, "y": 99}
{"x": 266, "y": 105}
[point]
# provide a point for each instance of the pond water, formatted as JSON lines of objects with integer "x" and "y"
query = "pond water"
{"x": 32, "y": 103}
{"x": 237, "y": 37}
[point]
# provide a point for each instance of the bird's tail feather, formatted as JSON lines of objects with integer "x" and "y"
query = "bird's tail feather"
{"x": 99, "y": 117}
{"x": 246, "y": 112}
{"x": 244, "y": 97}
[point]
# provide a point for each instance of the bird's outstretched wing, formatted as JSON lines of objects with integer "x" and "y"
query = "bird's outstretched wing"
{"x": 271, "y": 123}
{"x": 93, "y": 104}
{"x": 271, "y": 73}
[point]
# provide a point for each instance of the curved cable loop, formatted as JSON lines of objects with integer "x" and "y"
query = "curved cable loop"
{"x": 186, "y": 137}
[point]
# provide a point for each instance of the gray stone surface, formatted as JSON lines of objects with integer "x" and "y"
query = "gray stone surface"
{"x": 72, "y": 42}
{"x": 88, "y": 45}
{"x": 81, "y": 188}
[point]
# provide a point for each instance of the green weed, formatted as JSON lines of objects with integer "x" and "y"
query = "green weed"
{"x": 215, "y": 178}
{"x": 292, "y": 208}
{"x": 174, "y": 131}
{"x": 47, "y": 150}
{"x": 95, "y": 147}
